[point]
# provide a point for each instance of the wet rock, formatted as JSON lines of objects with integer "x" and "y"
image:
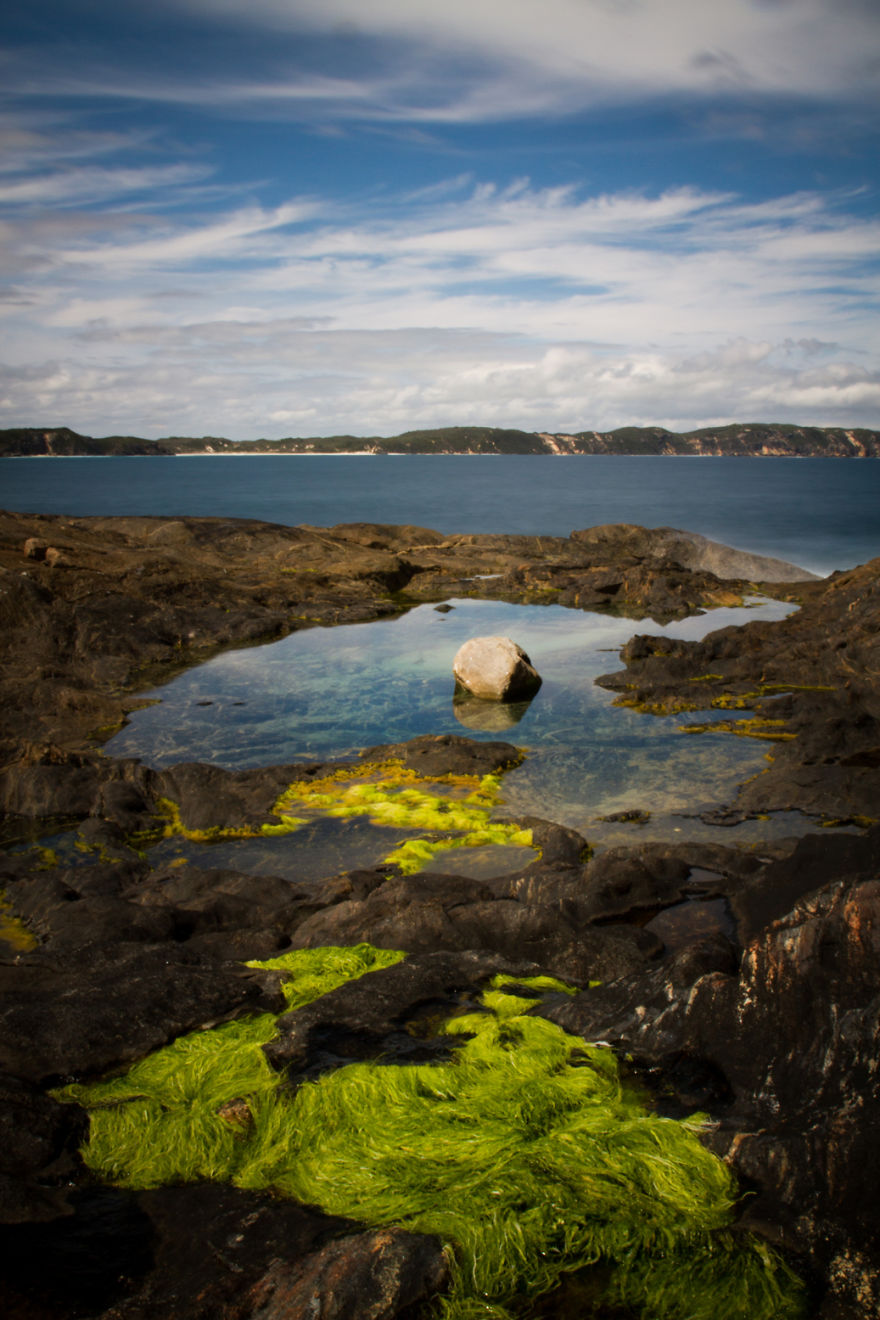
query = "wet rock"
{"x": 447, "y": 912}
{"x": 495, "y": 669}
{"x": 371, "y": 1276}
{"x": 447, "y": 754}
{"x": 77, "y": 1016}
{"x": 793, "y": 1030}
{"x": 376, "y": 1015}
{"x": 189, "y": 1253}
{"x": 237, "y": 1255}
{"x": 77, "y": 1264}
{"x": 39, "y": 1139}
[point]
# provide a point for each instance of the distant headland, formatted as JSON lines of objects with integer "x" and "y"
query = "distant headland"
{"x": 745, "y": 440}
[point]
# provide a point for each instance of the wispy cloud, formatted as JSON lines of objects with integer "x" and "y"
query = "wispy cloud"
{"x": 470, "y": 61}
{"x": 674, "y": 308}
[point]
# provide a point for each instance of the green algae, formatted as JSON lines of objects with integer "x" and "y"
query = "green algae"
{"x": 770, "y": 730}
{"x": 393, "y": 796}
{"x": 413, "y": 854}
{"x": 526, "y": 1151}
{"x": 13, "y": 932}
{"x": 457, "y": 812}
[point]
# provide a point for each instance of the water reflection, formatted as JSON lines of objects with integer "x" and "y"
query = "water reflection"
{"x": 480, "y": 716}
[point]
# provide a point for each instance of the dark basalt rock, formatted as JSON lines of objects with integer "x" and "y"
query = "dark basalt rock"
{"x": 383, "y": 1014}
{"x": 68, "y": 1017}
{"x": 446, "y": 912}
{"x": 39, "y": 1139}
{"x": 447, "y": 754}
{"x": 793, "y": 1032}
{"x": 214, "y": 1253}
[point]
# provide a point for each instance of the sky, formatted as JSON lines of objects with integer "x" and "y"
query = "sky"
{"x": 320, "y": 217}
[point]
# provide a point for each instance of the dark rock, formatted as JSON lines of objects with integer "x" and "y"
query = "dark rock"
{"x": 76, "y": 1265}
{"x": 794, "y": 1031}
{"x": 210, "y": 797}
{"x": 447, "y": 754}
{"x": 540, "y": 914}
{"x": 225, "y": 1254}
{"x": 378, "y": 1275}
{"x": 39, "y": 1139}
{"x": 376, "y": 1015}
{"x": 77, "y": 1016}
{"x": 214, "y": 1253}
{"x": 777, "y": 887}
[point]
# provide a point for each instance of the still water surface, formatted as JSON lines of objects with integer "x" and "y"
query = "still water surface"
{"x": 821, "y": 513}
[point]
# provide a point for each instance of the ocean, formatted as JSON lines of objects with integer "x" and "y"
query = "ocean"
{"x": 820, "y": 513}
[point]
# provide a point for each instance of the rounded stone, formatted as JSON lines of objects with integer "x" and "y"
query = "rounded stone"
{"x": 496, "y": 669}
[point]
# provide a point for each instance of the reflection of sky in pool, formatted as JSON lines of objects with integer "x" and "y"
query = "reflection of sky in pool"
{"x": 322, "y": 693}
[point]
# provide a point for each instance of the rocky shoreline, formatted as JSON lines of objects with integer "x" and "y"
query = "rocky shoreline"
{"x": 771, "y": 1028}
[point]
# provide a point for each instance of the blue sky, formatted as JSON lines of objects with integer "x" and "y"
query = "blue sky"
{"x": 313, "y": 217}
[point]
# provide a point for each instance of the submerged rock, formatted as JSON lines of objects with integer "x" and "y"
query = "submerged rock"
{"x": 495, "y": 669}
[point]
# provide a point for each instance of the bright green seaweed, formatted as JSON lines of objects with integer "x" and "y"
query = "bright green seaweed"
{"x": 457, "y": 812}
{"x": 525, "y": 1151}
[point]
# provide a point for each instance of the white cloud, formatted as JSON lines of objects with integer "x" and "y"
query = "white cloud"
{"x": 482, "y": 61}
{"x": 595, "y": 49}
{"x": 456, "y": 302}
{"x": 69, "y": 187}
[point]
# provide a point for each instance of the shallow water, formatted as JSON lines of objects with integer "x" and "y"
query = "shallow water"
{"x": 324, "y": 693}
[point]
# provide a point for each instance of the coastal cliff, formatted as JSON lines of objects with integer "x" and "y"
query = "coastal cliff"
{"x": 743, "y": 440}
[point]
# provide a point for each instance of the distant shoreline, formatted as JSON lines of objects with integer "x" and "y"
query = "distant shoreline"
{"x": 371, "y": 453}
{"x": 736, "y": 440}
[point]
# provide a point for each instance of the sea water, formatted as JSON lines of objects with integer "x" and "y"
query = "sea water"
{"x": 821, "y": 513}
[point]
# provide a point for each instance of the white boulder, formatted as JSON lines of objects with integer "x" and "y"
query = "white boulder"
{"x": 496, "y": 669}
